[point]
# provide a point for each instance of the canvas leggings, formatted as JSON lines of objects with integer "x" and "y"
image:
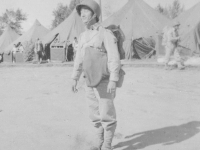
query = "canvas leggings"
{"x": 39, "y": 56}
{"x": 102, "y": 113}
{"x": 169, "y": 51}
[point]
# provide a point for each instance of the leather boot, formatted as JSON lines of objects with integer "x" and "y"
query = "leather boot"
{"x": 108, "y": 137}
{"x": 180, "y": 66}
{"x": 100, "y": 136}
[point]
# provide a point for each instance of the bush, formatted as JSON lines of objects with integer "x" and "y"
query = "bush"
{"x": 29, "y": 53}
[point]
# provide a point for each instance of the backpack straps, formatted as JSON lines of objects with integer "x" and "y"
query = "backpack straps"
{"x": 101, "y": 39}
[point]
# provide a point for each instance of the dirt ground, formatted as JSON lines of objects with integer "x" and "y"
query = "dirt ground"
{"x": 156, "y": 110}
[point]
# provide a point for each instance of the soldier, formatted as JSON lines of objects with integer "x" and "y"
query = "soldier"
{"x": 75, "y": 46}
{"x": 100, "y": 96}
{"x": 14, "y": 50}
{"x": 36, "y": 49}
{"x": 40, "y": 51}
{"x": 171, "y": 42}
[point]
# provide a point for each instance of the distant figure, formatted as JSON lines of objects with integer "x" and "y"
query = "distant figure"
{"x": 36, "y": 48}
{"x": 1, "y": 58}
{"x": 40, "y": 52}
{"x": 47, "y": 52}
{"x": 75, "y": 47}
{"x": 171, "y": 41}
{"x": 14, "y": 50}
{"x": 70, "y": 52}
{"x": 65, "y": 46}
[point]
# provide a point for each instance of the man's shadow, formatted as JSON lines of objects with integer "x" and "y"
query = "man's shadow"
{"x": 165, "y": 136}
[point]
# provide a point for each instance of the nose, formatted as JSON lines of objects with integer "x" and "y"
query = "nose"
{"x": 82, "y": 14}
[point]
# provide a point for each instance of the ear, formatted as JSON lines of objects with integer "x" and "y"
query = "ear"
{"x": 94, "y": 15}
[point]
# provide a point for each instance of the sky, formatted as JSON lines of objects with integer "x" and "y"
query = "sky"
{"x": 42, "y": 9}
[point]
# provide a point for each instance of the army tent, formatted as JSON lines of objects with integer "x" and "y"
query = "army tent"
{"x": 67, "y": 30}
{"x": 35, "y": 32}
{"x": 137, "y": 19}
{"x": 8, "y": 36}
{"x": 191, "y": 41}
{"x": 190, "y": 29}
{"x": 189, "y": 19}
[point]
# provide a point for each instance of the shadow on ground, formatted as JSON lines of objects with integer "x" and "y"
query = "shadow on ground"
{"x": 165, "y": 136}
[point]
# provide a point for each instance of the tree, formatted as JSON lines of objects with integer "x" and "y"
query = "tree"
{"x": 73, "y": 4}
{"x": 162, "y": 10}
{"x": 62, "y": 12}
{"x": 13, "y": 19}
{"x": 175, "y": 9}
{"x": 172, "y": 11}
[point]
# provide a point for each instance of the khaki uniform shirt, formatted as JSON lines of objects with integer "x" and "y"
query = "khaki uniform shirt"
{"x": 91, "y": 38}
{"x": 172, "y": 38}
{"x": 14, "y": 49}
{"x": 75, "y": 46}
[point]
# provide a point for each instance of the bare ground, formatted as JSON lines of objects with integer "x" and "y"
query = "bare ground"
{"x": 156, "y": 110}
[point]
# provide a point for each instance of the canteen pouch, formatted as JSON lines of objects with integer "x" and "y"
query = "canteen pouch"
{"x": 95, "y": 66}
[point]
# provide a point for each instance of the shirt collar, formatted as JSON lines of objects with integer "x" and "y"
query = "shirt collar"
{"x": 95, "y": 26}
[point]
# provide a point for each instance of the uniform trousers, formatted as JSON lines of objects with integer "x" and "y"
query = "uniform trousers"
{"x": 169, "y": 50}
{"x": 102, "y": 113}
{"x": 39, "y": 56}
{"x": 14, "y": 57}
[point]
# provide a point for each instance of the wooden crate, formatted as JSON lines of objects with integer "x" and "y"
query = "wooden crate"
{"x": 7, "y": 58}
{"x": 57, "y": 54}
{"x": 19, "y": 57}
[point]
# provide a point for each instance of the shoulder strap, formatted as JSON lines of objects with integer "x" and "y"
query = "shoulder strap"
{"x": 101, "y": 36}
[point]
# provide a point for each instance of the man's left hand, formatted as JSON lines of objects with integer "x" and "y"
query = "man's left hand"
{"x": 111, "y": 86}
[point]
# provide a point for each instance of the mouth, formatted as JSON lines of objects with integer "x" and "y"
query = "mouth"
{"x": 84, "y": 20}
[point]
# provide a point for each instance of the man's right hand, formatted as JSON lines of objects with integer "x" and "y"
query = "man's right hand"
{"x": 74, "y": 86}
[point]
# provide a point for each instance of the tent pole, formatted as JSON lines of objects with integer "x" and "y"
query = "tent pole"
{"x": 100, "y": 19}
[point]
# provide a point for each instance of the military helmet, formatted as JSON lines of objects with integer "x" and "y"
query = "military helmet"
{"x": 94, "y": 6}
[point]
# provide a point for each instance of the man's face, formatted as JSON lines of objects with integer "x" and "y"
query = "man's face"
{"x": 86, "y": 14}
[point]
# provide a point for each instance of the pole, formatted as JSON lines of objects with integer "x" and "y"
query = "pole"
{"x": 100, "y": 19}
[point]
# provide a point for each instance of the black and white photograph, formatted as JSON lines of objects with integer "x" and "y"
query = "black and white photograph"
{"x": 99, "y": 74}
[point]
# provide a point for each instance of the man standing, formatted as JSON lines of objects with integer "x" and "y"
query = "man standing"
{"x": 40, "y": 51}
{"x": 36, "y": 49}
{"x": 171, "y": 41}
{"x": 100, "y": 96}
{"x": 14, "y": 50}
{"x": 66, "y": 45}
{"x": 75, "y": 47}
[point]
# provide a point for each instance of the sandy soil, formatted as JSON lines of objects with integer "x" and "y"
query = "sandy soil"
{"x": 156, "y": 110}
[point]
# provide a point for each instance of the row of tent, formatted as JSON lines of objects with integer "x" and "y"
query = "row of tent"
{"x": 136, "y": 20}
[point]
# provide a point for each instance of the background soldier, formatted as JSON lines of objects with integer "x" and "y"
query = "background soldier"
{"x": 75, "y": 47}
{"x": 172, "y": 39}
{"x": 14, "y": 50}
{"x": 40, "y": 52}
